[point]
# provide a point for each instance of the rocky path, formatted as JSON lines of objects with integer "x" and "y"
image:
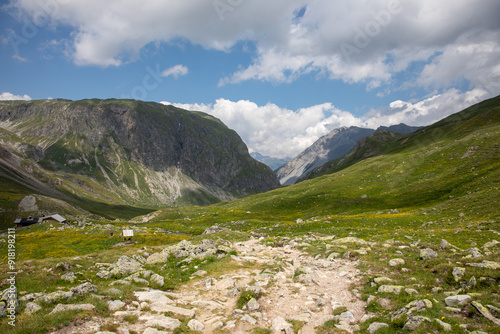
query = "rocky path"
{"x": 288, "y": 285}
{"x": 321, "y": 286}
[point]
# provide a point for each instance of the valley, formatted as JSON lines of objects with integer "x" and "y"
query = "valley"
{"x": 402, "y": 239}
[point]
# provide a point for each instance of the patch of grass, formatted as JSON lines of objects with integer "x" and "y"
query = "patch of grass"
{"x": 243, "y": 298}
{"x": 261, "y": 331}
{"x": 296, "y": 325}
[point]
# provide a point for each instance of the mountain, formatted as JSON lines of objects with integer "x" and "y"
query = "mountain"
{"x": 400, "y": 128}
{"x": 331, "y": 146}
{"x": 124, "y": 152}
{"x": 273, "y": 163}
{"x": 365, "y": 147}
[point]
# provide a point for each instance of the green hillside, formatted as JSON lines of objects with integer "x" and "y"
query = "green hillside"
{"x": 449, "y": 169}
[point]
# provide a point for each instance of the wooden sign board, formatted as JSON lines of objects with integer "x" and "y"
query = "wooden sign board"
{"x": 128, "y": 233}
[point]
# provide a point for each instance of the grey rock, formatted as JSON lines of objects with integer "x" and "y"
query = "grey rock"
{"x": 32, "y": 308}
{"x": 160, "y": 321}
{"x": 72, "y": 307}
{"x": 280, "y": 325}
{"x": 8, "y": 301}
{"x": 195, "y": 325}
{"x": 490, "y": 244}
{"x": 428, "y": 253}
{"x": 382, "y": 280}
{"x": 248, "y": 319}
{"x": 104, "y": 274}
{"x": 200, "y": 273}
{"x": 445, "y": 244}
{"x": 84, "y": 289}
{"x": 458, "y": 273}
{"x": 31, "y": 296}
{"x": 396, "y": 262}
{"x": 458, "y": 300}
{"x": 474, "y": 252}
{"x": 151, "y": 330}
{"x": 391, "y": 288}
{"x": 346, "y": 317}
{"x": 446, "y": 327}
{"x": 55, "y": 297}
{"x": 215, "y": 229}
{"x": 375, "y": 326}
{"x": 63, "y": 266}
{"x": 157, "y": 280}
{"x": 114, "y": 305}
{"x": 414, "y": 322}
{"x": 253, "y": 305}
{"x": 115, "y": 291}
{"x": 158, "y": 258}
{"x": 69, "y": 276}
{"x": 125, "y": 266}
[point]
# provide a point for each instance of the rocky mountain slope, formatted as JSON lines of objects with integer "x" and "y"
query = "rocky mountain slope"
{"x": 331, "y": 146}
{"x": 125, "y": 152}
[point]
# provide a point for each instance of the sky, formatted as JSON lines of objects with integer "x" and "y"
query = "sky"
{"x": 282, "y": 73}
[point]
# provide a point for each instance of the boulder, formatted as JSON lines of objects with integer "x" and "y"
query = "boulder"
{"x": 280, "y": 325}
{"x": 414, "y": 322}
{"x": 215, "y": 229}
{"x": 195, "y": 325}
{"x": 72, "y": 307}
{"x": 458, "y": 300}
{"x": 375, "y": 326}
{"x": 84, "y": 289}
{"x": 157, "y": 280}
{"x": 55, "y": 297}
{"x": 490, "y": 244}
{"x": 8, "y": 301}
{"x": 63, "y": 266}
{"x": 160, "y": 321}
{"x": 382, "y": 280}
{"x": 486, "y": 313}
{"x": 104, "y": 274}
{"x": 390, "y": 288}
{"x": 253, "y": 305}
{"x": 458, "y": 273}
{"x": 32, "y": 308}
{"x": 428, "y": 253}
{"x": 486, "y": 264}
{"x": 396, "y": 262}
{"x": 125, "y": 266}
{"x": 446, "y": 327}
{"x": 248, "y": 319}
{"x": 69, "y": 276}
{"x": 114, "y": 305}
{"x": 474, "y": 253}
{"x": 157, "y": 258}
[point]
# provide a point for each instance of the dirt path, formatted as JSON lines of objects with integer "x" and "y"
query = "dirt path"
{"x": 291, "y": 284}
{"x": 310, "y": 297}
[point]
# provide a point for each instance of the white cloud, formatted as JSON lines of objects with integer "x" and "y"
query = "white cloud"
{"x": 175, "y": 71}
{"x": 9, "y": 96}
{"x": 355, "y": 41}
{"x": 280, "y": 132}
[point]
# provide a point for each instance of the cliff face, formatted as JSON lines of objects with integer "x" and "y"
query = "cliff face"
{"x": 142, "y": 152}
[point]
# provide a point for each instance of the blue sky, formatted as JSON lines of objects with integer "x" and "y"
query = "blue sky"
{"x": 281, "y": 73}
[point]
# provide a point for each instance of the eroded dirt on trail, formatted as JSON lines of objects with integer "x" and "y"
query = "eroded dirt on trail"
{"x": 290, "y": 285}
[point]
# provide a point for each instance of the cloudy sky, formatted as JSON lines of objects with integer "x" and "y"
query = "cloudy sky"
{"x": 281, "y": 73}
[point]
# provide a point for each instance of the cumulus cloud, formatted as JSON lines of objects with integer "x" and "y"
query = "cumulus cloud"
{"x": 280, "y": 132}
{"x": 354, "y": 41}
{"x": 175, "y": 71}
{"x": 9, "y": 96}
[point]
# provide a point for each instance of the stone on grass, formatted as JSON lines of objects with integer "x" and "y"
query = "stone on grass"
{"x": 428, "y": 253}
{"x": 114, "y": 305}
{"x": 157, "y": 258}
{"x": 195, "y": 325}
{"x": 125, "y": 266}
{"x": 458, "y": 300}
{"x": 253, "y": 305}
{"x": 391, "y": 288}
{"x": 474, "y": 253}
{"x": 382, "y": 280}
{"x": 157, "y": 280}
{"x": 84, "y": 289}
{"x": 72, "y": 307}
{"x": 396, "y": 262}
{"x": 458, "y": 273}
{"x": 414, "y": 322}
{"x": 486, "y": 313}
{"x": 375, "y": 326}
{"x": 69, "y": 276}
{"x": 56, "y": 296}
{"x": 446, "y": 327}
{"x": 486, "y": 264}
{"x": 490, "y": 244}
{"x": 280, "y": 325}
{"x": 445, "y": 244}
{"x": 105, "y": 274}
{"x": 346, "y": 317}
{"x": 32, "y": 308}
